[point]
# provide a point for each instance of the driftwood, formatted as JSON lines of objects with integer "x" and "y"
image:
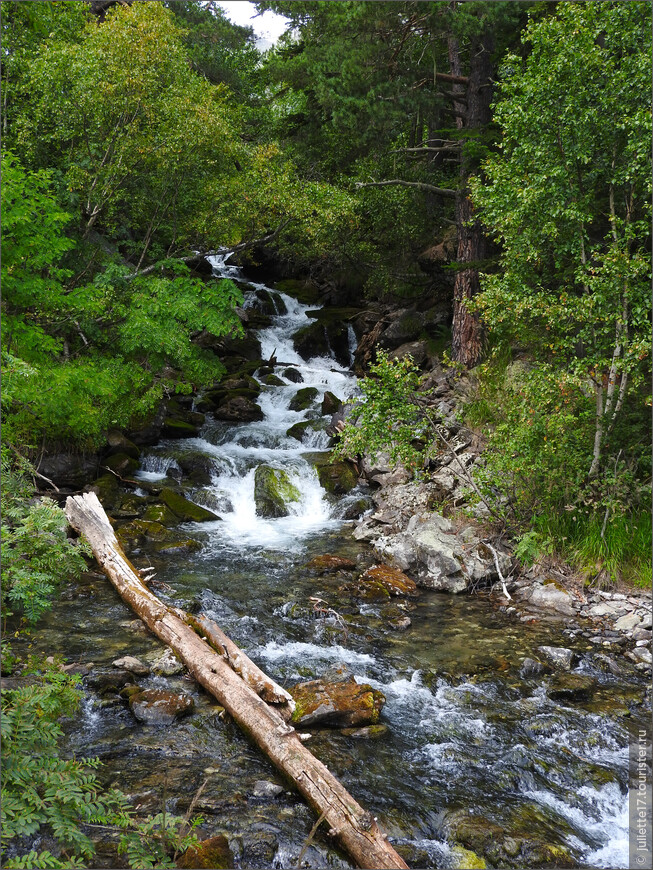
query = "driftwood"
{"x": 352, "y": 827}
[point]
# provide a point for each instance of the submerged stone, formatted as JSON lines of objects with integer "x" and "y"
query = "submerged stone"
{"x": 328, "y": 564}
{"x": 239, "y": 409}
{"x": 273, "y": 491}
{"x": 571, "y": 687}
{"x": 395, "y": 581}
{"x": 338, "y": 705}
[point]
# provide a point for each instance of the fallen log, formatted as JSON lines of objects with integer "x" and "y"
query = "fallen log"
{"x": 354, "y": 828}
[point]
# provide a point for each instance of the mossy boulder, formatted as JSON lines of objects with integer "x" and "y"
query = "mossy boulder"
{"x": 178, "y": 546}
{"x": 119, "y": 443}
{"x": 298, "y": 431}
{"x": 185, "y": 509}
{"x": 338, "y": 477}
{"x": 465, "y": 859}
{"x": 198, "y": 468}
{"x": 211, "y": 854}
{"x": 173, "y": 428}
{"x": 311, "y": 341}
{"x": 107, "y": 490}
{"x": 396, "y": 582}
{"x": 342, "y": 704}
{"x": 274, "y": 381}
{"x": 122, "y": 464}
{"x": 303, "y": 291}
{"x": 273, "y": 492}
{"x": 130, "y": 507}
{"x": 303, "y": 399}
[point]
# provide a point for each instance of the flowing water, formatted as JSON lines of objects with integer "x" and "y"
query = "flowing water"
{"x": 467, "y": 737}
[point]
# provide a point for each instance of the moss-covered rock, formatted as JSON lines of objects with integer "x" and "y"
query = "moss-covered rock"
{"x": 395, "y": 581}
{"x": 343, "y": 704}
{"x": 273, "y": 491}
{"x": 107, "y": 490}
{"x": 178, "y": 546}
{"x": 338, "y": 477}
{"x": 328, "y": 564}
{"x": 274, "y": 381}
{"x": 119, "y": 443}
{"x": 130, "y": 507}
{"x": 122, "y": 464}
{"x": 303, "y": 291}
{"x": 311, "y": 341}
{"x": 173, "y": 428}
{"x": 303, "y": 399}
{"x": 298, "y": 431}
{"x": 211, "y": 854}
{"x": 465, "y": 859}
{"x": 185, "y": 509}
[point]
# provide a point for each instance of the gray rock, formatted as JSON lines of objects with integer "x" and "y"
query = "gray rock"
{"x": 551, "y": 597}
{"x": 265, "y": 789}
{"x": 641, "y": 654}
{"x": 167, "y": 665}
{"x": 560, "y": 657}
{"x": 532, "y": 668}
{"x": 133, "y": 665}
{"x": 157, "y": 707}
{"x": 627, "y": 622}
{"x": 571, "y": 687}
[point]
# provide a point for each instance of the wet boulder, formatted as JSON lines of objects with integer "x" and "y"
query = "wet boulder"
{"x": 274, "y": 381}
{"x": 551, "y": 596}
{"x": 107, "y": 490}
{"x": 273, "y": 491}
{"x": 558, "y": 656}
{"x": 119, "y": 443}
{"x": 167, "y": 664}
{"x": 160, "y": 513}
{"x": 331, "y": 404}
{"x": 185, "y": 509}
{"x": 174, "y": 428}
{"x": 239, "y": 409}
{"x": 69, "y": 470}
{"x": 392, "y": 580}
{"x": 133, "y": 665}
{"x": 159, "y": 707}
{"x": 298, "y": 430}
{"x": 342, "y": 704}
{"x": 291, "y": 374}
{"x": 338, "y": 477}
{"x": 303, "y": 399}
{"x": 121, "y": 464}
{"x": 198, "y": 468}
{"x": 311, "y": 341}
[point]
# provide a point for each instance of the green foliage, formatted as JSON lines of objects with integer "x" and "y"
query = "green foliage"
{"x": 36, "y": 554}
{"x": 385, "y": 417}
{"x": 39, "y": 788}
{"x": 157, "y": 841}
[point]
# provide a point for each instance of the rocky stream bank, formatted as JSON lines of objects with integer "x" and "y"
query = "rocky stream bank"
{"x": 470, "y": 722}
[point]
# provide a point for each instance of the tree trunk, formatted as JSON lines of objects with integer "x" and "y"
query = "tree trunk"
{"x": 472, "y": 244}
{"x": 354, "y": 828}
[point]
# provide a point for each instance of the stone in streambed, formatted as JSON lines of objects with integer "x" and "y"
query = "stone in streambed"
{"x": 186, "y": 510}
{"x": 211, "y": 854}
{"x": 293, "y": 375}
{"x": 158, "y": 707}
{"x": 119, "y": 443}
{"x": 558, "y": 656}
{"x": 341, "y": 704}
{"x": 330, "y": 403}
{"x": 273, "y": 491}
{"x": 391, "y": 579}
{"x": 121, "y": 464}
{"x": 328, "y": 564}
{"x": 133, "y": 665}
{"x": 298, "y": 430}
{"x": 303, "y": 399}
{"x": 167, "y": 664}
{"x": 239, "y": 410}
{"x": 571, "y": 687}
{"x": 160, "y": 513}
{"x": 274, "y": 381}
{"x": 173, "y": 428}
{"x": 338, "y": 477}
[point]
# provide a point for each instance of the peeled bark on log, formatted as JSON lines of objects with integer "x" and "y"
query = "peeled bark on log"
{"x": 354, "y": 828}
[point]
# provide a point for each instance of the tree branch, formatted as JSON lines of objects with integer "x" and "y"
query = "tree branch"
{"x": 420, "y": 185}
